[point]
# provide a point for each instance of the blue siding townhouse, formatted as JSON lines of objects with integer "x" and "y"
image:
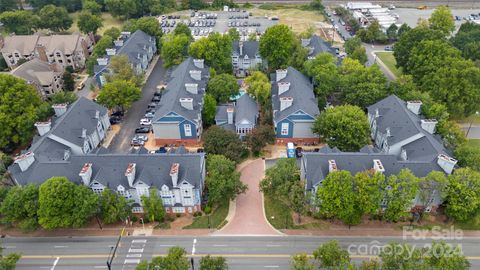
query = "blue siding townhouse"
{"x": 178, "y": 116}
{"x": 139, "y": 47}
{"x": 294, "y": 107}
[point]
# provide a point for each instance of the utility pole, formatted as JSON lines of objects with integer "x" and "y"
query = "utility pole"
{"x": 114, "y": 249}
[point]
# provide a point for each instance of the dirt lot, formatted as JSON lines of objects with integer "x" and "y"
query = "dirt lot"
{"x": 298, "y": 20}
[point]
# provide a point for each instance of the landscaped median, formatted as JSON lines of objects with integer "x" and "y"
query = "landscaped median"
{"x": 215, "y": 220}
{"x": 389, "y": 60}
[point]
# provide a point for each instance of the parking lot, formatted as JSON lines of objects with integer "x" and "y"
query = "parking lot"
{"x": 411, "y": 16}
{"x": 131, "y": 120}
{"x": 203, "y": 23}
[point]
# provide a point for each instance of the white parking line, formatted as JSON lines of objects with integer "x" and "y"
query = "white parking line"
{"x": 60, "y": 246}
{"x": 135, "y": 250}
{"x": 132, "y": 261}
{"x": 139, "y": 241}
{"x": 274, "y": 245}
{"x": 55, "y": 263}
{"x": 100, "y": 266}
{"x": 220, "y": 245}
{"x": 134, "y": 255}
{"x": 9, "y": 247}
{"x": 166, "y": 245}
{"x": 271, "y": 266}
{"x": 193, "y": 246}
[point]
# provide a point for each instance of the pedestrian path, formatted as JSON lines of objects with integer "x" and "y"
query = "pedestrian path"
{"x": 134, "y": 254}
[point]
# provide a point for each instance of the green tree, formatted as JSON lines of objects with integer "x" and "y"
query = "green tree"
{"x": 409, "y": 40}
{"x": 316, "y": 5}
{"x": 209, "y": 110}
{"x": 85, "y": 205}
{"x": 369, "y": 187}
{"x": 153, "y": 206}
{"x": 222, "y": 87}
{"x": 112, "y": 32}
{"x": 223, "y": 182}
{"x": 175, "y": 260}
{"x": 121, "y": 69}
{"x": 463, "y": 194}
{"x": 401, "y": 190}
{"x": 70, "y": 5}
{"x": 8, "y": 262}
{"x": 233, "y": 34}
{"x": 468, "y": 156}
{"x": 63, "y": 97}
{"x": 352, "y": 44}
{"x": 104, "y": 43}
{"x": 20, "y": 22}
{"x": 63, "y": 205}
{"x": 442, "y": 20}
{"x": 20, "y": 108}
{"x": 182, "y": 28}
{"x": 434, "y": 184}
{"x": 345, "y": 127}
{"x": 331, "y": 256}
{"x": 277, "y": 45}
{"x": 360, "y": 54}
{"x": 260, "y": 137}
{"x": 174, "y": 49}
{"x": 401, "y": 256}
{"x": 54, "y": 18}
{"x": 301, "y": 262}
{"x": 259, "y": 87}
{"x": 467, "y": 40}
{"x": 372, "y": 33}
{"x": 216, "y": 50}
{"x": 337, "y": 198}
{"x": 20, "y": 207}
{"x": 213, "y": 263}
{"x": 392, "y": 32}
{"x": 68, "y": 81}
{"x": 8, "y": 5}
{"x": 122, "y": 8}
{"x": 219, "y": 141}
{"x": 92, "y": 7}
{"x": 298, "y": 57}
{"x": 360, "y": 85}
{"x": 323, "y": 70}
{"x": 113, "y": 207}
{"x": 453, "y": 136}
{"x": 402, "y": 29}
{"x": 119, "y": 94}
{"x": 446, "y": 257}
{"x": 88, "y": 22}
{"x": 455, "y": 83}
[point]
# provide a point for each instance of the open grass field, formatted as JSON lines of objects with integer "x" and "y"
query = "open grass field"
{"x": 388, "y": 59}
{"x": 298, "y": 20}
{"x": 108, "y": 21}
{"x": 217, "y": 218}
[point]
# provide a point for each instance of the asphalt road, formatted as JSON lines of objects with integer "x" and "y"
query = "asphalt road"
{"x": 121, "y": 141}
{"x": 255, "y": 252}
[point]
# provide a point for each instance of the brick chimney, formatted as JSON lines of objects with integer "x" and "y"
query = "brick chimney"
{"x": 174, "y": 173}
{"x": 332, "y": 165}
{"x": 86, "y": 173}
{"x": 414, "y": 106}
{"x": 60, "y": 109}
{"x": 230, "y": 111}
{"x": 198, "y": 63}
{"x": 42, "y": 53}
{"x": 187, "y": 103}
{"x": 25, "y": 160}
{"x": 43, "y": 127}
{"x": 281, "y": 74}
{"x": 285, "y": 102}
{"x": 130, "y": 173}
{"x": 192, "y": 88}
{"x": 446, "y": 163}
{"x": 283, "y": 87}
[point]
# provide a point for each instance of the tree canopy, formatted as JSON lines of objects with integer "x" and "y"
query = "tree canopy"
{"x": 463, "y": 194}
{"x": 153, "y": 206}
{"x": 219, "y": 141}
{"x": 113, "y": 207}
{"x": 174, "y": 49}
{"x": 54, "y": 18}
{"x": 20, "y": 22}
{"x": 277, "y": 45}
{"x": 222, "y": 87}
{"x": 88, "y": 22}
{"x": 209, "y": 110}
{"x": 119, "y": 94}
{"x": 259, "y": 87}
{"x": 223, "y": 181}
{"x": 20, "y": 108}
{"x": 442, "y": 20}
{"x": 323, "y": 70}
{"x": 216, "y": 50}
{"x": 345, "y": 127}
{"x": 20, "y": 206}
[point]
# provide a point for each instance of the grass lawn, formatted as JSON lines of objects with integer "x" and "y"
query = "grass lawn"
{"x": 217, "y": 219}
{"x": 474, "y": 143}
{"x": 108, "y": 21}
{"x": 472, "y": 224}
{"x": 299, "y": 20}
{"x": 388, "y": 59}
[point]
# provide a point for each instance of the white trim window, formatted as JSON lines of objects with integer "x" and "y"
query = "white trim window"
{"x": 97, "y": 190}
{"x": 284, "y": 130}
{"x": 137, "y": 209}
{"x": 188, "y": 130}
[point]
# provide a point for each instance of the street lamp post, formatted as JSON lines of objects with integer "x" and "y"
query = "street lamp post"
{"x": 471, "y": 122}
{"x": 111, "y": 255}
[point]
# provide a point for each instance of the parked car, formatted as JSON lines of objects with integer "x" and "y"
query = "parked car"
{"x": 115, "y": 120}
{"x": 156, "y": 99}
{"x": 161, "y": 150}
{"x": 145, "y": 122}
{"x": 137, "y": 142}
{"x": 142, "y": 130}
{"x": 118, "y": 113}
{"x": 149, "y": 115}
{"x": 140, "y": 137}
{"x": 152, "y": 105}
{"x": 80, "y": 86}
{"x": 388, "y": 48}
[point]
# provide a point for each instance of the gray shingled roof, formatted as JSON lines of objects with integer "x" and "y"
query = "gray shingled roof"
{"x": 301, "y": 89}
{"x": 246, "y": 108}
{"x": 250, "y": 48}
{"x": 404, "y": 124}
{"x": 319, "y": 46}
{"x": 317, "y": 164}
{"x": 37, "y": 71}
{"x": 81, "y": 114}
{"x": 176, "y": 89}
{"x": 109, "y": 169}
{"x": 134, "y": 45}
